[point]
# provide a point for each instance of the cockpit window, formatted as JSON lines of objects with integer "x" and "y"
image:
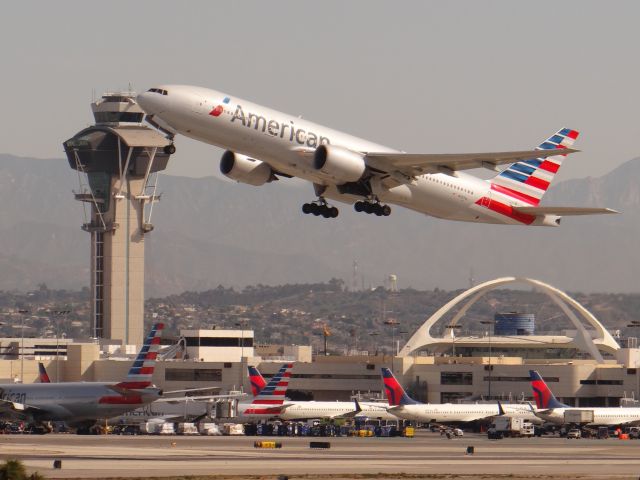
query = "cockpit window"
{"x": 157, "y": 90}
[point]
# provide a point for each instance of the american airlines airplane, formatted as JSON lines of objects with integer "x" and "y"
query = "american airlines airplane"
{"x": 552, "y": 410}
{"x": 263, "y": 145}
{"x": 304, "y": 410}
{"x": 269, "y": 400}
{"x": 83, "y": 403}
{"x": 403, "y": 406}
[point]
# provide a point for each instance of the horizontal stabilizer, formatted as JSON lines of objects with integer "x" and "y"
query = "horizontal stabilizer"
{"x": 433, "y": 163}
{"x": 563, "y": 211}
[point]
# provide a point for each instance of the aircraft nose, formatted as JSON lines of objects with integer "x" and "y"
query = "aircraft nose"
{"x": 151, "y": 101}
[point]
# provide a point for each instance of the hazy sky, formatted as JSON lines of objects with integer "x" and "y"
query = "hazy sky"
{"x": 447, "y": 76}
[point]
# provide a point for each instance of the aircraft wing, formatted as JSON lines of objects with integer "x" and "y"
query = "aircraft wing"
{"x": 188, "y": 390}
{"x": 563, "y": 211}
{"x": 420, "y": 163}
{"x": 16, "y": 409}
{"x": 200, "y": 398}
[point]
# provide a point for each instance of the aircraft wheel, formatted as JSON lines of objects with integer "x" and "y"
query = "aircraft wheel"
{"x": 306, "y": 208}
{"x": 170, "y": 149}
{"x": 368, "y": 208}
{"x": 326, "y": 212}
{"x": 359, "y": 206}
{"x": 316, "y": 209}
{"x": 334, "y": 212}
{"x": 386, "y": 210}
{"x": 377, "y": 209}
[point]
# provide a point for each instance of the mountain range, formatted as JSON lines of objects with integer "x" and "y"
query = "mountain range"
{"x": 210, "y": 232}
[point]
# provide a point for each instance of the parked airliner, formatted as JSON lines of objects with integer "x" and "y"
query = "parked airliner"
{"x": 552, "y": 410}
{"x": 304, "y": 410}
{"x": 83, "y": 403}
{"x": 263, "y": 144}
{"x": 403, "y": 406}
{"x": 269, "y": 400}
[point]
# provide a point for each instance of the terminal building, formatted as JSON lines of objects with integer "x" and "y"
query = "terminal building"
{"x": 595, "y": 371}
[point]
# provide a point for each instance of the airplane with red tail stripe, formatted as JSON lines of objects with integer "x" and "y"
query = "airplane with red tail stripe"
{"x": 550, "y": 409}
{"x": 82, "y": 404}
{"x": 269, "y": 399}
{"x": 264, "y": 145}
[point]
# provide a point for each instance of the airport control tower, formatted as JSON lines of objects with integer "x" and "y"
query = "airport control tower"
{"x": 117, "y": 160}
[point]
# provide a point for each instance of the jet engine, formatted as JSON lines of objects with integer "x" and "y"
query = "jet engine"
{"x": 339, "y": 163}
{"x": 243, "y": 169}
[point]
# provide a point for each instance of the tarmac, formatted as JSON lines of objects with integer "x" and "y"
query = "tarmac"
{"x": 427, "y": 455}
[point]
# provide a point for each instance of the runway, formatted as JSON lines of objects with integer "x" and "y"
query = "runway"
{"x": 426, "y": 456}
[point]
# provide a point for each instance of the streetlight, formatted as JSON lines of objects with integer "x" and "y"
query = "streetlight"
{"x": 57, "y": 314}
{"x": 451, "y": 328}
{"x": 23, "y": 314}
{"x": 373, "y": 340}
{"x": 242, "y": 323}
{"x": 490, "y": 323}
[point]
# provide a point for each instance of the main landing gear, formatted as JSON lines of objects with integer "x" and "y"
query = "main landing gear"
{"x": 169, "y": 149}
{"x": 320, "y": 208}
{"x": 373, "y": 207}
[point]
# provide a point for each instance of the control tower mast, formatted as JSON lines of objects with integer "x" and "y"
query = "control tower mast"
{"x": 117, "y": 160}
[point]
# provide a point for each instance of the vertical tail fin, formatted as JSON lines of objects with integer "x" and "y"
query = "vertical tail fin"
{"x": 43, "y": 376}
{"x": 394, "y": 391}
{"x": 528, "y": 180}
{"x": 257, "y": 381}
{"x": 272, "y": 396}
{"x": 141, "y": 371}
{"x": 542, "y": 393}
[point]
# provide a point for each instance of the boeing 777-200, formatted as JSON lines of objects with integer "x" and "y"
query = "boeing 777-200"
{"x": 82, "y": 403}
{"x": 263, "y": 144}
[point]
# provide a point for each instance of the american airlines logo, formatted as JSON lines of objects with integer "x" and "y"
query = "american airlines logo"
{"x": 274, "y": 128}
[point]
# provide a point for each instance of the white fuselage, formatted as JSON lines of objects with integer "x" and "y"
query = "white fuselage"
{"x": 454, "y": 412}
{"x": 602, "y": 416}
{"x": 328, "y": 410}
{"x": 287, "y": 142}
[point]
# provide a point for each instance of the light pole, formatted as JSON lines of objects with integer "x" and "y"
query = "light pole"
{"x": 490, "y": 323}
{"x": 242, "y": 323}
{"x": 57, "y": 314}
{"x": 452, "y": 329}
{"x": 373, "y": 340}
{"x": 23, "y": 314}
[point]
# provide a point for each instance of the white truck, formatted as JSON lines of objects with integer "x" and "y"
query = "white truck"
{"x": 510, "y": 427}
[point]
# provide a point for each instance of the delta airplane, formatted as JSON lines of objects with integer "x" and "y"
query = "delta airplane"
{"x": 83, "y": 403}
{"x": 263, "y": 144}
{"x": 304, "y": 410}
{"x": 552, "y": 410}
{"x": 403, "y": 406}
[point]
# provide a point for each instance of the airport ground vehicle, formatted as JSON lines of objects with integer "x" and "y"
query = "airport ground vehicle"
{"x": 574, "y": 433}
{"x": 510, "y": 427}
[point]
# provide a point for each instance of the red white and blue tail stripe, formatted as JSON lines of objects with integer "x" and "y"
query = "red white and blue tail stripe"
{"x": 528, "y": 180}
{"x": 141, "y": 371}
{"x": 272, "y": 396}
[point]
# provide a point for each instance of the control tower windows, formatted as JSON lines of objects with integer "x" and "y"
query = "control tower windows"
{"x": 115, "y": 117}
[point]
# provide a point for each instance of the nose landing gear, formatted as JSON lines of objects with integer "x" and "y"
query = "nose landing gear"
{"x": 320, "y": 208}
{"x": 373, "y": 207}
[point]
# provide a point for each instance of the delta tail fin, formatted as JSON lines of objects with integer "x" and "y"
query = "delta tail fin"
{"x": 396, "y": 395}
{"x": 257, "y": 381}
{"x": 528, "y": 180}
{"x": 42, "y": 373}
{"x": 141, "y": 371}
{"x": 542, "y": 393}
{"x": 272, "y": 396}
